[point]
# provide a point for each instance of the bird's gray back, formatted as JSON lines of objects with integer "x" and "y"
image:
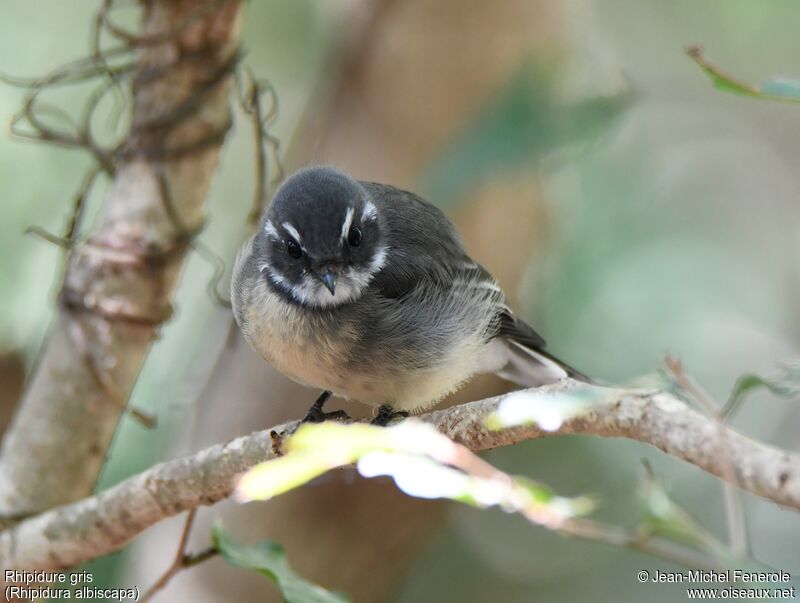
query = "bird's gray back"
{"x": 423, "y": 302}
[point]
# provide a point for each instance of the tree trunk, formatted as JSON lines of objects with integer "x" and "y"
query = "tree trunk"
{"x": 117, "y": 286}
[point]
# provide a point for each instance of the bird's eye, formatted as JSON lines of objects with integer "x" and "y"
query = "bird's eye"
{"x": 293, "y": 248}
{"x": 354, "y": 236}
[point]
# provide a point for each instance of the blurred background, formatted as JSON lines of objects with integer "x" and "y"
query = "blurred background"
{"x": 628, "y": 208}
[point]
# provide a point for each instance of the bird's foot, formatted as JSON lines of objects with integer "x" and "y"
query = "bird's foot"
{"x": 315, "y": 414}
{"x": 386, "y": 415}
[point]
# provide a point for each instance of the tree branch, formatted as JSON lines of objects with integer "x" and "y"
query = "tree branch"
{"x": 75, "y": 533}
{"x": 117, "y": 284}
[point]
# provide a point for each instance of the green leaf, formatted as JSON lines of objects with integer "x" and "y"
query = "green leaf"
{"x": 525, "y": 121}
{"x": 661, "y": 516}
{"x": 421, "y": 461}
{"x": 315, "y": 449}
{"x": 311, "y": 451}
{"x": 267, "y": 480}
{"x": 269, "y": 559}
{"x": 786, "y": 385}
{"x": 776, "y": 89}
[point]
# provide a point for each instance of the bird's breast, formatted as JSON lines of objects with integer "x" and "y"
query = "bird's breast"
{"x": 333, "y": 351}
{"x": 307, "y": 346}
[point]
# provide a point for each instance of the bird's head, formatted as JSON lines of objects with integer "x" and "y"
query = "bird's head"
{"x": 320, "y": 242}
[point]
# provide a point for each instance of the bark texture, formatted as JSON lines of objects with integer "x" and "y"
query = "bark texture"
{"x": 75, "y": 533}
{"x": 117, "y": 285}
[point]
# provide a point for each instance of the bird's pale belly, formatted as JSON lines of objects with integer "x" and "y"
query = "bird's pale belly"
{"x": 315, "y": 360}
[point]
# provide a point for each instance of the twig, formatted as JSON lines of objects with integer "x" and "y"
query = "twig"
{"x": 72, "y": 231}
{"x": 72, "y": 534}
{"x": 182, "y": 560}
{"x": 48, "y": 236}
{"x": 639, "y": 539}
{"x": 137, "y": 39}
{"x": 73, "y": 228}
{"x": 734, "y": 512}
{"x": 177, "y": 562}
{"x": 251, "y": 92}
{"x": 218, "y": 266}
{"x": 596, "y": 531}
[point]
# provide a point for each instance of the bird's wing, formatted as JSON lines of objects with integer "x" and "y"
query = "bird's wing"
{"x": 424, "y": 247}
{"x": 515, "y": 329}
{"x": 428, "y": 254}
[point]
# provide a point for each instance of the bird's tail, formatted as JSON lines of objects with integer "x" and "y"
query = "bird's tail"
{"x": 531, "y": 367}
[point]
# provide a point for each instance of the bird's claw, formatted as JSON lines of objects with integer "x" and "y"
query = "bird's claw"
{"x": 386, "y": 415}
{"x": 315, "y": 415}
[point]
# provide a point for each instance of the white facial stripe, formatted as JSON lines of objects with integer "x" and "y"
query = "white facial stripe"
{"x": 348, "y": 221}
{"x": 271, "y": 231}
{"x": 370, "y": 212}
{"x": 489, "y": 285}
{"x": 358, "y": 278}
{"x": 475, "y": 284}
{"x": 313, "y": 293}
{"x": 350, "y": 284}
{"x": 292, "y": 231}
{"x": 378, "y": 260}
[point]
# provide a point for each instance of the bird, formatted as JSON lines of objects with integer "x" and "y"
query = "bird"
{"x": 365, "y": 291}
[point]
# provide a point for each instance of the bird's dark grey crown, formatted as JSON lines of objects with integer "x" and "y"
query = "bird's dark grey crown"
{"x": 315, "y": 202}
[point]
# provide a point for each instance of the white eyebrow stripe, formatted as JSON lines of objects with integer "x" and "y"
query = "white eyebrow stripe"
{"x": 370, "y": 211}
{"x": 292, "y": 231}
{"x": 469, "y": 283}
{"x": 348, "y": 220}
{"x": 271, "y": 231}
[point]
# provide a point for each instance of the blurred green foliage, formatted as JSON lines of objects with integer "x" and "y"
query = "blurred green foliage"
{"x": 286, "y": 42}
{"x": 269, "y": 559}
{"x": 785, "y": 385}
{"x": 527, "y": 120}
{"x": 675, "y": 231}
{"x": 421, "y": 461}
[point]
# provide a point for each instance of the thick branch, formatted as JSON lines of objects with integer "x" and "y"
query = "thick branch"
{"x": 101, "y": 524}
{"x": 118, "y": 284}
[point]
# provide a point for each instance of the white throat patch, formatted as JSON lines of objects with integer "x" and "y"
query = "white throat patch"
{"x": 311, "y": 292}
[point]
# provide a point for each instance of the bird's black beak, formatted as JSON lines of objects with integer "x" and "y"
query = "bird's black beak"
{"x": 328, "y": 273}
{"x": 328, "y": 279}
